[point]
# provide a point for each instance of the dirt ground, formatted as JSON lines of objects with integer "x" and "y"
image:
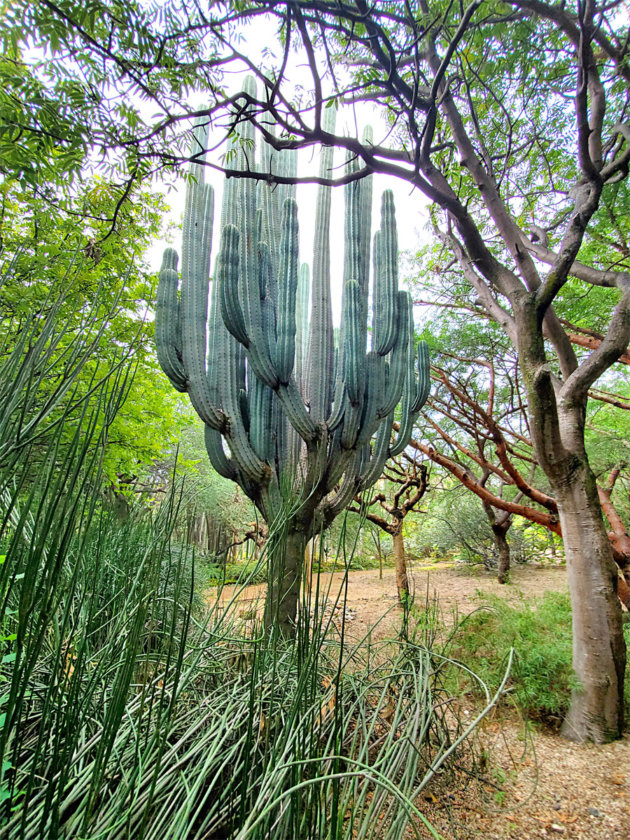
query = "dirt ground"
{"x": 372, "y": 603}
{"x": 534, "y": 784}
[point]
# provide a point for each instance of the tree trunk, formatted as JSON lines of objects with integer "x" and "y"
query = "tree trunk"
{"x": 286, "y": 561}
{"x": 402, "y": 581}
{"x": 500, "y": 526}
{"x": 599, "y": 656}
{"x": 503, "y": 548}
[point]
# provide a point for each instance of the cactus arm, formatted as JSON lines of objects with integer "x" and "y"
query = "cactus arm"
{"x": 167, "y": 315}
{"x": 374, "y": 397}
{"x": 407, "y": 417}
{"x": 354, "y": 363}
{"x": 244, "y": 406}
{"x": 373, "y": 469}
{"x": 298, "y": 416}
{"x": 414, "y": 397}
{"x": 350, "y": 486}
{"x": 424, "y": 377}
{"x": 353, "y": 225}
{"x": 404, "y": 433}
{"x": 365, "y": 207}
{"x": 319, "y": 372}
{"x": 227, "y": 279}
{"x": 399, "y": 359}
{"x": 254, "y": 468}
{"x": 339, "y": 406}
{"x": 268, "y": 297}
{"x": 260, "y": 432}
{"x": 354, "y": 350}
{"x": 301, "y": 333}
{"x": 194, "y": 302}
{"x": 287, "y": 292}
{"x": 251, "y": 294}
{"x": 287, "y": 166}
{"x": 219, "y": 460}
{"x": 386, "y": 278}
{"x": 339, "y": 460}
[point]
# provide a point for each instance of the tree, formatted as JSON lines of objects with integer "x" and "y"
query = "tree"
{"x": 477, "y": 410}
{"x": 300, "y": 422}
{"x": 52, "y": 262}
{"x": 88, "y": 89}
{"x": 407, "y": 484}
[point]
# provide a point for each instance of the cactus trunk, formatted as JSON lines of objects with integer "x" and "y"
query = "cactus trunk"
{"x": 286, "y": 553}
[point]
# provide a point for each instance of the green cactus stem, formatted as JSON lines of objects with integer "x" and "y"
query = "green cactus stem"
{"x": 300, "y": 415}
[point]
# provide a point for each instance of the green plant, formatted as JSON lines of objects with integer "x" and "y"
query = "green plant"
{"x": 541, "y": 679}
{"x": 131, "y": 718}
{"x": 297, "y": 413}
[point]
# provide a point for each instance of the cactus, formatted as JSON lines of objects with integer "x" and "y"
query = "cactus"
{"x": 300, "y": 417}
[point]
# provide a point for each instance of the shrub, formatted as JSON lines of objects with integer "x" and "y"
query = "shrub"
{"x": 542, "y": 677}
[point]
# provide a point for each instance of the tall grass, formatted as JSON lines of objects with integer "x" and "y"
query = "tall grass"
{"x": 127, "y": 711}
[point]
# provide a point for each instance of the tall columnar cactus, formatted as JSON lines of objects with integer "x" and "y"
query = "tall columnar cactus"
{"x": 300, "y": 417}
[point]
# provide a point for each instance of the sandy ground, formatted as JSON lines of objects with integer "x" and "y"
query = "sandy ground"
{"x": 372, "y": 602}
{"x": 535, "y": 784}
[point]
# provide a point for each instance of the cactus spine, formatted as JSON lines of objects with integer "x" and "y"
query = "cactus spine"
{"x": 307, "y": 424}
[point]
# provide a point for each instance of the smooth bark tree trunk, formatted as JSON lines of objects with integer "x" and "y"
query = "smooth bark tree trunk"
{"x": 286, "y": 562}
{"x": 400, "y": 560}
{"x": 599, "y": 655}
{"x": 557, "y": 408}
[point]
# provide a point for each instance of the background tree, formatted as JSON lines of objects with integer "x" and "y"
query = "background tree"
{"x": 49, "y": 261}
{"x": 405, "y": 483}
{"x": 477, "y": 422}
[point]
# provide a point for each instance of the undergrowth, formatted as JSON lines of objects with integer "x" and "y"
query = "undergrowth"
{"x": 541, "y": 678}
{"x": 127, "y": 711}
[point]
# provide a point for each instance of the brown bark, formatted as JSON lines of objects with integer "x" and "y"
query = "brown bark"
{"x": 411, "y": 484}
{"x": 380, "y": 555}
{"x": 503, "y": 572}
{"x": 400, "y": 560}
{"x": 592, "y": 342}
{"x": 500, "y": 526}
{"x": 468, "y": 479}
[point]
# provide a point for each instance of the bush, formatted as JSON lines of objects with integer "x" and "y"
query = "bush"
{"x": 246, "y": 572}
{"x": 542, "y": 677}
